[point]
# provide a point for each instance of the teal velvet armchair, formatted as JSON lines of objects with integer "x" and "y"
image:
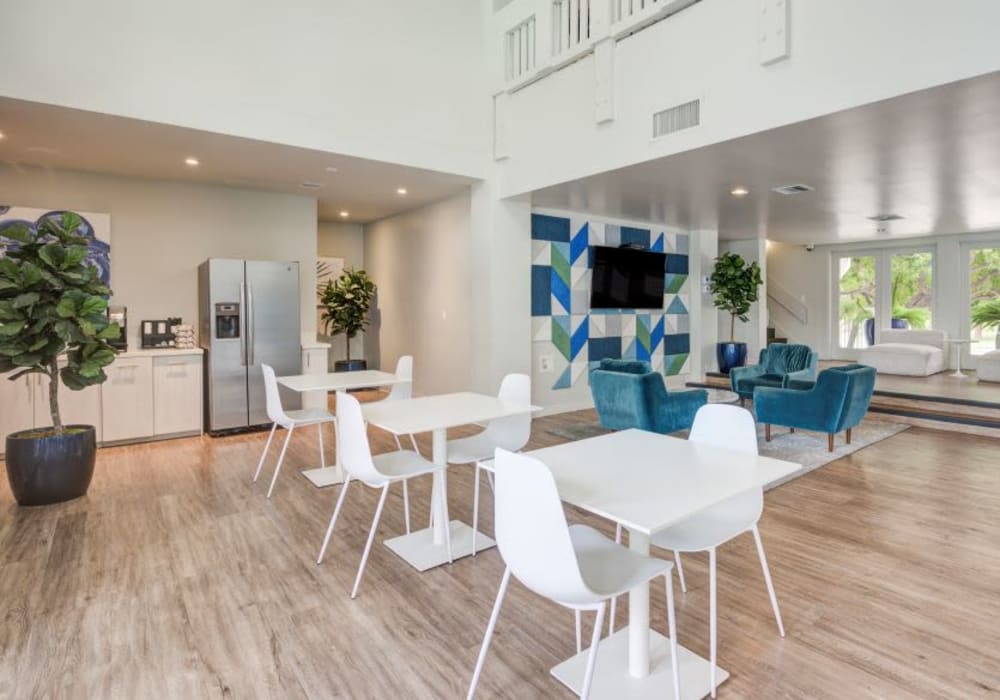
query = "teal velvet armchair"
{"x": 778, "y": 364}
{"x": 629, "y": 394}
{"x": 837, "y": 401}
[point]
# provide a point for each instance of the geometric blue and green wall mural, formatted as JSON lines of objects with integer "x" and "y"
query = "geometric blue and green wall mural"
{"x": 560, "y": 299}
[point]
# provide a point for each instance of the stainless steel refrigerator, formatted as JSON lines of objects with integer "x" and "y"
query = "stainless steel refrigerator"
{"x": 249, "y": 312}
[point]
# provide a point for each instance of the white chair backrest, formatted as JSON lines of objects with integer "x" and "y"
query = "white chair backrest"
{"x": 724, "y": 425}
{"x": 531, "y": 530}
{"x": 404, "y": 370}
{"x": 513, "y": 432}
{"x": 912, "y": 336}
{"x": 731, "y": 428}
{"x": 275, "y": 412}
{"x": 355, "y": 452}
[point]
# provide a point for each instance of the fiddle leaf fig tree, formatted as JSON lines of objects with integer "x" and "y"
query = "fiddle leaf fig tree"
{"x": 52, "y": 302}
{"x": 734, "y": 286}
{"x": 346, "y": 302}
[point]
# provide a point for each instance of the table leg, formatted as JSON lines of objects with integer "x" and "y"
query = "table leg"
{"x": 328, "y": 476}
{"x": 439, "y": 489}
{"x": 958, "y": 362}
{"x": 638, "y": 615}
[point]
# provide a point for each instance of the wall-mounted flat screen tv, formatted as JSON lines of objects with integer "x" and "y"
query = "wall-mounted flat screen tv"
{"x": 627, "y": 278}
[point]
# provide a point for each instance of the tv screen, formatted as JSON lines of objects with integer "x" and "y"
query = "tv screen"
{"x": 627, "y": 278}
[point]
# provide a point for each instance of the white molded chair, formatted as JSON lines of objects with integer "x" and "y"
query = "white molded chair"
{"x": 732, "y": 428}
{"x": 511, "y": 433}
{"x": 397, "y": 392}
{"x": 378, "y": 472}
{"x": 574, "y": 566}
{"x": 289, "y": 420}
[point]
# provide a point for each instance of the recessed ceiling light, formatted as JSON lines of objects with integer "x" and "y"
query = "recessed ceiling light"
{"x": 2, "y": 136}
{"x": 739, "y": 191}
{"x": 331, "y": 169}
{"x": 344, "y": 214}
{"x": 400, "y": 190}
{"x": 191, "y": 160}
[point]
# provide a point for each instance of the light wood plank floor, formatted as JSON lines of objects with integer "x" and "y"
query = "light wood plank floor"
{"x": 176, "y": 578}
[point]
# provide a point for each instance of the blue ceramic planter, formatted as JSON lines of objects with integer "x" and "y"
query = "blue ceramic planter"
{"x": 730, "y": 355}
{"x": 870, "y": 328}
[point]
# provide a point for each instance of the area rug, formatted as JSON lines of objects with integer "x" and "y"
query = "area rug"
{"x": 804, "y": 447}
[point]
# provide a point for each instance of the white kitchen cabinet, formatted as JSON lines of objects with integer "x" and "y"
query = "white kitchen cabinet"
{"x": 16, "y": 406}
{"x": 75, "y": 407}
{"x": 177, "y": 394}
{"x": 127, "y": 399}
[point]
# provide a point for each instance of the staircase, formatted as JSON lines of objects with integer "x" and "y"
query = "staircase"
{"x": 772, "y": 338}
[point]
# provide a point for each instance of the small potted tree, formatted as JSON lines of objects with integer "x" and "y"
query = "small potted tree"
{"x": 53, "y": 321}
{"x": 986, "y": 314}
{"x": 346, "y": 303}
{"x": 734, "y": 286}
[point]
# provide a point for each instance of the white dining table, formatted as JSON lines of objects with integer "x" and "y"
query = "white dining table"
{"x": 647, "y": 482}
{"x": 338, "y": 382}
{"x": 426, "y": 549}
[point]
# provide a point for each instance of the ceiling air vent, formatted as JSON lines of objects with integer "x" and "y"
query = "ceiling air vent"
{"x": 792, "y": 189}
{"x": 307, "y": 185}
{"x": 676, "y": 118}
{"x": 882, "y": 218}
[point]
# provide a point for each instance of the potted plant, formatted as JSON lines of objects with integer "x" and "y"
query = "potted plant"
{"x": 53, "y": 321}
{"x": 986, "y": 314}
{"x": 346, "y": 302}
{"x": 734, "y": 286}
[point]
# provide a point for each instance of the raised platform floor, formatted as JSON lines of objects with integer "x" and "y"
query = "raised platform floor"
{"x": 941, "y": 401}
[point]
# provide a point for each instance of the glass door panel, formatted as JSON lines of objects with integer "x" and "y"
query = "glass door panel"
{"x": 912, "y": 290}
{"x": 984, "y": 298}
{"x": 856, "y": 289}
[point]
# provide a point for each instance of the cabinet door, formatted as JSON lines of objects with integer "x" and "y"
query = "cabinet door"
{"x": 127, "y": 399}
{"x": 177, "y": 394}
{"x": 16, "y": 406}
{"x": 75, "y": 407}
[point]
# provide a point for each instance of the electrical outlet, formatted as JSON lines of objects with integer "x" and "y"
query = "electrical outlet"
{"x": 545, "y": 363}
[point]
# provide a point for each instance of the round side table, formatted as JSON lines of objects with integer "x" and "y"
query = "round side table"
{"x": 957, "y": 343}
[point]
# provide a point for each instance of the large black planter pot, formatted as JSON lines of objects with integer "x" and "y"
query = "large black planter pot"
{"x": 349, "y": 365}
{"x": 44, "y": 470}
{"x": 730, "y": 355}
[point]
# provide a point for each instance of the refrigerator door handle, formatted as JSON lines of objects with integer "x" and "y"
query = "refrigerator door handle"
{"x": 243, "y": 335}
{"x": 251, "y": 340}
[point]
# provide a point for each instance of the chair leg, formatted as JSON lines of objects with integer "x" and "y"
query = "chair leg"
{"x": 475, "y": 508}
{"x": 333, "y": 520}
{"x": 406, "y": 504}
{"x": 371, "y": 538}
{"x": 267, "y": 446}
{"x": 595, "y": 640}
{"x": 322, "y": 454}
{"x": 767, "y": 432}
{"x": 281, "y": 460}
{"x": 712, "y": 617}
{"x": 413, "y": 441}
{"x": 849, "y": 436}
{"x": 680, "y": 571}
{"x": 767, "y": 579}
{"x": 672, "y": 633}
{"x": 489, "y": 478}
{"x": 791, "y": 430}
{"x": 614, "y": 601}
{"x": 396, "y": 438}
{"x": 489, "y": 633}
{"x": 444, "y": 509}
{"x": 579, "y": 631}
{"x": 829, "y": 442}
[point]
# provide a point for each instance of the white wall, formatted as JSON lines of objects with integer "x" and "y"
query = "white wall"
{"x": 810, "y": 276}
{"x": 162, "y": 231}
{"x": 394, "y": 81}
{"x": 337, "y": 239}
{"x": 843, "y": 54}
{"x": 421, "y": 262}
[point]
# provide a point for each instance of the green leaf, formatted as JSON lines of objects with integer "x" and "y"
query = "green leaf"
{"x": 30, "y": 274}
{"x": 26, "y": 299}
{"x": 28, "y": 359}
{"x": 93, "y": 306}
{"x": 19, "y": 232}
{"x": 10, "y": 328}
{"x": 110, "y": 332}
{"x": 53, "y": 255}
{"x": 10, "y": 270}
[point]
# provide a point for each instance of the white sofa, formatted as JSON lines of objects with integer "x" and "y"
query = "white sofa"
{"x": 988, "y": 365}
{"x": 910, "y": 352}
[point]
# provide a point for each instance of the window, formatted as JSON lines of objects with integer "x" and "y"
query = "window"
{"x": 912, "y": 290}
{"x": 856, "y": 284}
{"x": 984, "y": 298}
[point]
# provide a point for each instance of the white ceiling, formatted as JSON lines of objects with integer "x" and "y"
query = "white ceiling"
{"x": 68, "y": 139}
{"x": 932, "y": 157}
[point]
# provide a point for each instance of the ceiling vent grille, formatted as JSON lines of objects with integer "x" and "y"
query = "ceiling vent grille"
{"x": 677, "y": 118}
{"x": 792, "y": 189}
{"x": 882, "y": 218}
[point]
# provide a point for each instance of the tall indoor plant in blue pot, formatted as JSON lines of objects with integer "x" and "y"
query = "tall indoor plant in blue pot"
{"x": 53, "y": 321}
{"x": 346, "y": 303}
{"x": 734, "y": 286}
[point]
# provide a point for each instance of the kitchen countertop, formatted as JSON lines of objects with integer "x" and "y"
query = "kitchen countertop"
{"x": 159, "y": 352}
